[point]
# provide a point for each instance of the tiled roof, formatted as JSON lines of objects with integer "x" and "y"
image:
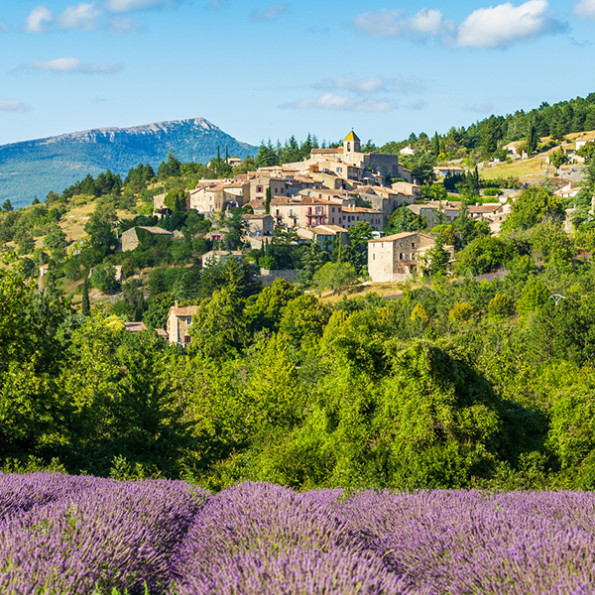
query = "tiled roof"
{"x": 154, "y": 229}
{"x": 400, "y": 236}
{"x": 184, "y": 310}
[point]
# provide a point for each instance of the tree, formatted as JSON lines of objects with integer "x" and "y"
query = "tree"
{"x": 483, "y": 255}
{"x": 219, "y": 327}
{"x": 266, "y": 309}
{"x": 532, "y": 140}
{"x": 559, "y": 158}
{"x": 7, "y": 206}
{"x": 170, "y": 167}
{"x": 404, "y": 219}
{"x": 104, "y": 278}
{"x": 422, "y": 165}
{"x": 122, "y": 399}
{"x": 31, "y": 408}
{"x": 175, "y": 200}
{"x": 437, "y": 259}
{"x": 335, "y": 276}
{"x": 358, "y": 235}
{"x": 55, "y": 239}
{"x": 435, "y": 145}
{"x": 532, "y": 206}
{"x": 86, "y": 304}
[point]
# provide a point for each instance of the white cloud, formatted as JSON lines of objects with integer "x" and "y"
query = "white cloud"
{"x": 335, "y": 102}
{"x": 37, "y": 18}
{"x": 585, "y": 8}
{"x": 81, "y": 16}
{"x": 373, "y": 84}
{"x": 270, "y": 13}
{"x": 365, "y": 85}
{"x": 72, "y": 65}
{"x": 394, "y": 23}
{"x": 13, "y": 105}
{"x": 130, "y": 5}
{"x": 505, "y": 24}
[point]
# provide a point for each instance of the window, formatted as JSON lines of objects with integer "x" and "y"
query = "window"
{"x": 187, "y": 339}
{"x": 413, "y": 244}
{"x": 401, "y": 256}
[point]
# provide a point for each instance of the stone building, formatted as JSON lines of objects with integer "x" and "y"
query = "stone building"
{"x": 179, "y": 322}
{"x": 131, "y": 238}
{"x": 398, "y": 257}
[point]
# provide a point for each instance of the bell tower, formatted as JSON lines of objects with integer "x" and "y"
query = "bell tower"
{"x": 351, "y": 144}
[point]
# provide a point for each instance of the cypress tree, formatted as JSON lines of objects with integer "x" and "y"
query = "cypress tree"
{"x": 86, "y": 304}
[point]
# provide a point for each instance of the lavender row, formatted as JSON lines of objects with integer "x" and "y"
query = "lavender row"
{"x": 257, "y": 536}
{"x": 114, "y": 535}
{"x": 60, "y": 534}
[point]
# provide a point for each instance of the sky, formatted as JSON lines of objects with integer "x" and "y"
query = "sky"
{"x": 267, "y": 70}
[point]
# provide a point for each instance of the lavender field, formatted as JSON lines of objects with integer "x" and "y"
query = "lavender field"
{"x": 64, "y": 534}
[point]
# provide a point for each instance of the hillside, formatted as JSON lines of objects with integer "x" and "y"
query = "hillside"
{"x": 34, "y": 168}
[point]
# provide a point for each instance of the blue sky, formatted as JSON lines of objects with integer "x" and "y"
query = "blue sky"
{"x": 262, "y": 70}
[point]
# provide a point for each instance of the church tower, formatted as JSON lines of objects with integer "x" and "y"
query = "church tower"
{"x": 351, "y": 144}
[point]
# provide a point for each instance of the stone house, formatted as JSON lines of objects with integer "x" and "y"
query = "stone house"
{"x": 179, "y": 322}
{"x": 305, "y": 211}
{"x": 353, "y": 215}
{"x": 131, "y": 238}
{"x": 398, "y": 257}
{"x": 431, "y": 211}
{"x": 329, "y": 234}
{"x": 217, "y": 256}
{"x": 493, "y": 214}
{"x": 215, "y": 198}
{"x": 583, "y": 140}
{"x": 259, "y": 224}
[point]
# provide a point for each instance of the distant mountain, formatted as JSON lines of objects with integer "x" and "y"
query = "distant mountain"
{"x": 34, "y": 168}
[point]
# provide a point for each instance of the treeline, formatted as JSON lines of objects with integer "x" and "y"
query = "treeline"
{"x": 485, "y": 138}
{"x": 465, "y": 384}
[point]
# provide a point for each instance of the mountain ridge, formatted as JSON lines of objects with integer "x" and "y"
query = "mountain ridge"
{"x": 33, "y": 168}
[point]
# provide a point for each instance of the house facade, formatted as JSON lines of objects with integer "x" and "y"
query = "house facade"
{"x": 397, "y": 257}
{"x": 179, "y": 322}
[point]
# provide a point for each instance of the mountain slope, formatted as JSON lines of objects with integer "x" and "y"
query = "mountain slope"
{"x": 34, "y": 168}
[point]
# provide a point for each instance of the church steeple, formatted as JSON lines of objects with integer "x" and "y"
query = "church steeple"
{"x": 351, "y": 144}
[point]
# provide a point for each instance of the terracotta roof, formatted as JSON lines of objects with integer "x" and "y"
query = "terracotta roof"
{"x": 135, "y": 327}
{"x": 327, "y": 151}
{"x": 255, "y": 216}
{"x": 184, "y": 310}
{"x": 162, "y": 333}
{"x": 488, "y": 208}
{"x": 400, "y": 236}
{"x": 154, "y": 229}
{"x": 332, "y": 228}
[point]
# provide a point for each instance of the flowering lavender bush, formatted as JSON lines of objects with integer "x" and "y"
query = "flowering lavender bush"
{"x": 61, "y": 534}
{"x": 108, "y": 534}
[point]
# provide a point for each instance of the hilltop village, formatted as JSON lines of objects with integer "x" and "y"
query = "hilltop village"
{"x": 335, "y": 219}
{"x": 321, "y": 198}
